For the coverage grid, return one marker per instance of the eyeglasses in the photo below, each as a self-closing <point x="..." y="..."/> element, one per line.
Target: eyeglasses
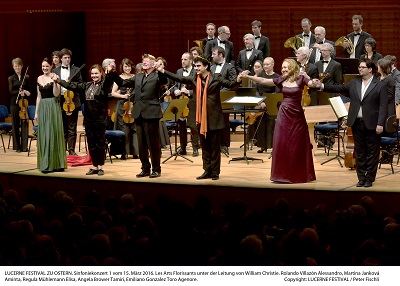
<point x="361" y="67"/>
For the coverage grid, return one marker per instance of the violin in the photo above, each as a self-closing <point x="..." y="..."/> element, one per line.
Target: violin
<point x="23" y="103"/>
<point x="68" y="104"/>
<point x="251" y="117"/>
<point x="349" y="155"/>
<point x="305" y="97"/>
<point x="128" y="106"/>
<point x="23" y="112"/>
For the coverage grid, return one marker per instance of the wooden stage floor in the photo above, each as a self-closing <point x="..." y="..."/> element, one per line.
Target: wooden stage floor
<point x="334" y="187"/>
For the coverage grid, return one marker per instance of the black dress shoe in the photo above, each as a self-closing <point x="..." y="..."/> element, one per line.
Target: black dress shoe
<point x="367" y="184"/>
<point x="182" y="152"/>
<point x="92" y="172"/>
<point x="360" y="183"/>
<point x="205" y="175"/>
<point x="155" y="174"/>
<point x="214" y="177"/>
<point x="195" y="152"/>
<point x="72" y="152"/>
<point x="100" y="172"/>
<point x="261" y="150"/>
<point x="143" y="174"/>
<point x="18" y="150"/>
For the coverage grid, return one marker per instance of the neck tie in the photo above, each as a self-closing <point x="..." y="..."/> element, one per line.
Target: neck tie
<point x="222" y="42"/>
<point x="219" y="64"/>
<point x="64" y="67"/>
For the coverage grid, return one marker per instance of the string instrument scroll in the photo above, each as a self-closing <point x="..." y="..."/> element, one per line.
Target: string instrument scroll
<point x="69" y="105"/>
<point x="23" y="103"/>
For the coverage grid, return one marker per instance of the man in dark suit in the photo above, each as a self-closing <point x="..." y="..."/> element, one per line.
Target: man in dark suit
<point x="209" y="117"/>
<point x="331" y="69"/>
<point x="320" y="34"/>
<point x="307" y="36"/>
<point x="147" y="114"/>
<point x="181" y="91"/>
<point x="222" y="41"/>
<point x="261" y="42"/>
<point x="228" y="72"/>
<point x="70" y="119"/>
<point x="248" y="56"/>
<point x="311" y="70"/>
<point x="367" y="116"/>
<point x="357" y="37"/>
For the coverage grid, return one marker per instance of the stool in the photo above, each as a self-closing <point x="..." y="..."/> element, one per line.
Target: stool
<point x="114" y="136"/>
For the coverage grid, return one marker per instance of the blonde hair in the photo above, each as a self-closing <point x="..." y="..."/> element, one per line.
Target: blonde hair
<point x="294" y="69"/>
<point x="17" y="61"/>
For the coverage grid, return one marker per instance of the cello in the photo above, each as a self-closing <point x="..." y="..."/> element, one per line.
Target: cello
<point x="349" y="155"/>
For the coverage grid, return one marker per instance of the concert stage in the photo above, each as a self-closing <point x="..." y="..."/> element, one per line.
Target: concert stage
<point x="334" y="187"/>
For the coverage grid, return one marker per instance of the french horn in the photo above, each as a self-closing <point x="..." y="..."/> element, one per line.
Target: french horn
<point x="340" y="42"/>
<point x="294" y="43"/>
<point x="200" y="43"/>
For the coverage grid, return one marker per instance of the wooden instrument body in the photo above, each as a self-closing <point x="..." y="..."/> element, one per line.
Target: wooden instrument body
<point x="128" y="106"/>
<point x="23" y="112"/>
<point x="349" y="155"/>
<point x="68" y="105"/>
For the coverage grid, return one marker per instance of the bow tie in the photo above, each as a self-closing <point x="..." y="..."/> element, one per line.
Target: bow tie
<point x="249" y="50"/>
<point x="218" y="64"/>
<point x="221" y="42"/>
<point x="64" y="67"/>
<point x="185" y="70"/>
<point x="257" y="37"/>
<point x="357" y="34"/>
<point x="325" y="62"/>
<point x="306" y="35"/>
<point x="320" y="43"/>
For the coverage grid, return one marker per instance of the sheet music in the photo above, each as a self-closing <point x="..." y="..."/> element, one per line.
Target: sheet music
<point x="338" y="106"/>
<point x="245" y="100"/>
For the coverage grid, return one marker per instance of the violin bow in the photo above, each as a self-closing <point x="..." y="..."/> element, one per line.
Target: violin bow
<point x="21" y="88"/>
<point x="71" y="77"/>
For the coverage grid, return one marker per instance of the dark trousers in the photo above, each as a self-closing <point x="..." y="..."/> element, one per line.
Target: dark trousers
<point x="226" y="132"/>
<point x="96" y="139"/>
<point x="182" y="127"/>
<point x="149" y="142"/>
<point x="19" y="129"/>
<point x="70" y="123"/>
<point x="366" y="148"/>
<point x="211" y="153"/>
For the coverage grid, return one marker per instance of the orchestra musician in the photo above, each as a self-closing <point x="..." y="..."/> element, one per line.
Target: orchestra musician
<point x="357" y="37"/>
<point x="122" y="117"/>
<point x="70" y="119"/>
<point x="18" y="91"/>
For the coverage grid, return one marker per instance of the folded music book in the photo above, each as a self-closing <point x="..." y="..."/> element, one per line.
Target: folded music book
<point x="338" y="106"/>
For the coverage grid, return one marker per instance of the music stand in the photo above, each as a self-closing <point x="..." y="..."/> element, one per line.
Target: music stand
<point x="272" y="104"/>
<point x="244" y="101"/>
<point x="173" y="112"/>
<point x="340" y="111"/>
<point x="349" y="65"/>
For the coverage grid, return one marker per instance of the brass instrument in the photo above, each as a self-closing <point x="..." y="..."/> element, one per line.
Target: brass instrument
<point x="200" y="43"/>
<point x="294" y="43"/>
<point x="340" y="42"/>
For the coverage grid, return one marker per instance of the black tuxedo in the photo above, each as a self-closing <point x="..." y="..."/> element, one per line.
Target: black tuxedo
<point x="334" y="69"/>
<point x="312" y="39"/>
<point x="147" y="113"/>
<point x="229" y="54"/>
<point x="374" y="112"/>
<point x="211" y="142"/>
<point x="70" y="122"/>
<point x="243" y="63"/>
<point x="312" y="72"/>
<point x="314" y="51"/>
<point x="359" y="49"/>
<point x="191" y="118"/>
<point x="264" y="46"/>
<point x="227" y="72"/>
